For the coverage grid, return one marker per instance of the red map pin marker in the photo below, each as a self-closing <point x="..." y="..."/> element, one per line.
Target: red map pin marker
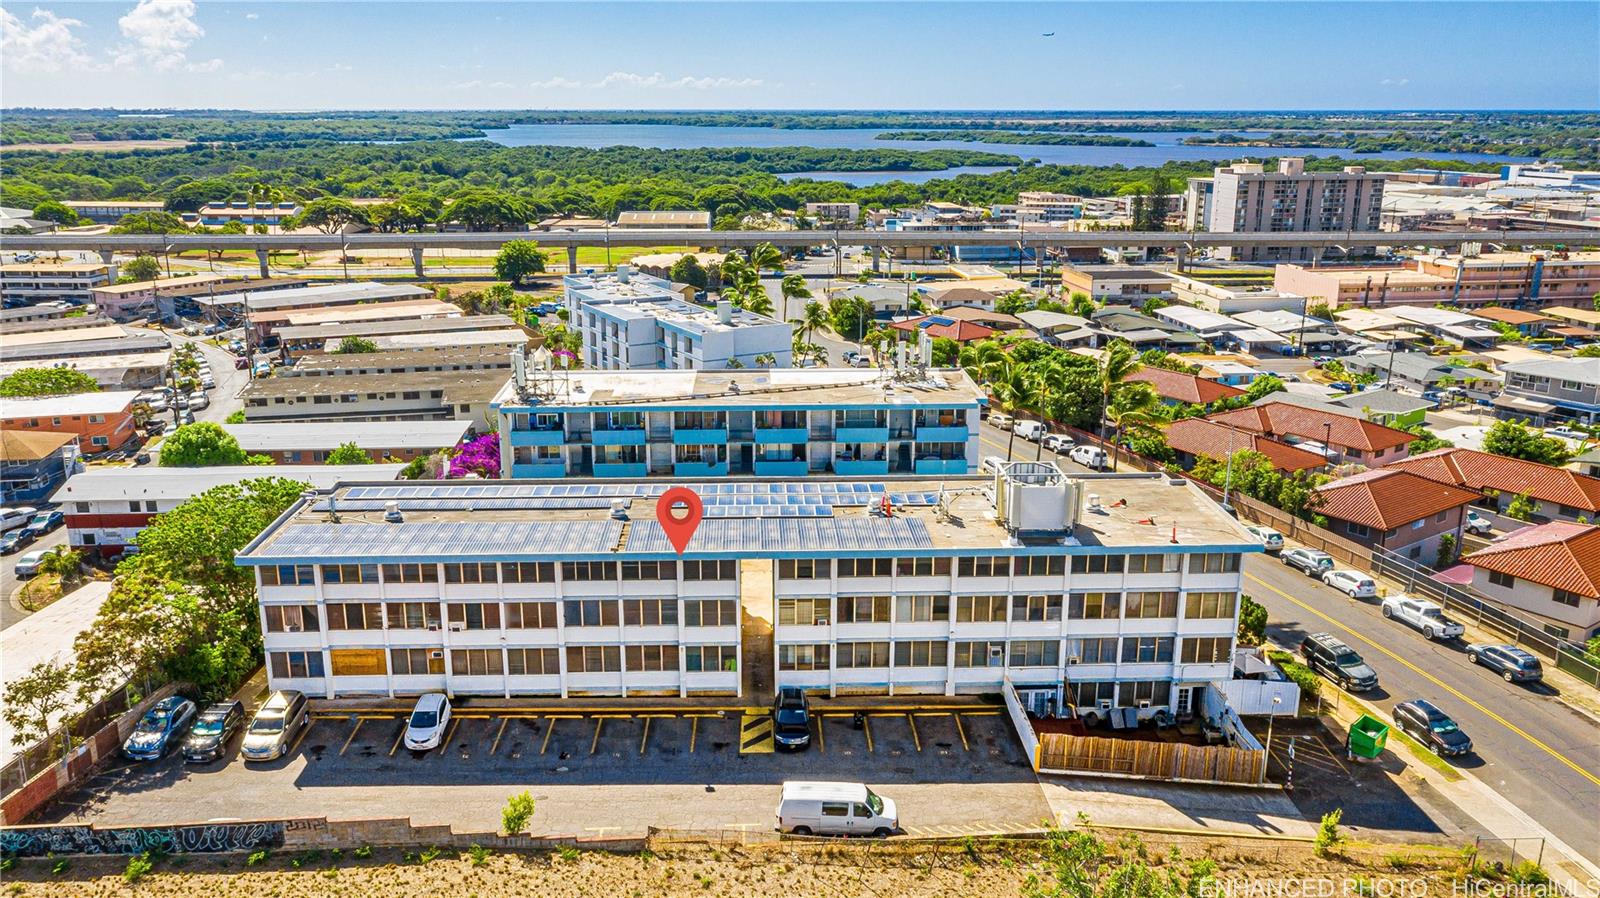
<point x="679" y="510"/>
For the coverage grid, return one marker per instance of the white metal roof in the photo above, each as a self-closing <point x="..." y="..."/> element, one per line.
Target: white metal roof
<point x="278" y="437"/>
<point x="182" y="483"/>
<point x="106" y="402"/>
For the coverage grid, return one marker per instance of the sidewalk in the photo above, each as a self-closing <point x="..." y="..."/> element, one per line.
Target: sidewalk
<point x="1142" y="804"/>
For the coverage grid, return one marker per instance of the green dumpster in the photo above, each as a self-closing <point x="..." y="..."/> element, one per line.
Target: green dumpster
<point x="1367" y="737"/>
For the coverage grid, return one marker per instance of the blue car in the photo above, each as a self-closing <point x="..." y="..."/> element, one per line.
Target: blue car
<point x="161" y="729"/>
<point x="43" y="523"/>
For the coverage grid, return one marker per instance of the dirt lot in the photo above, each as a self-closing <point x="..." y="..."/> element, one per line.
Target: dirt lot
<point x="99" y="146"/>
<point x="951" y="868"/>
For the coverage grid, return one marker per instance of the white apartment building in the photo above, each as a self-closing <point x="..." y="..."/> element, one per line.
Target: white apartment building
<point x="631" y="320"/>
<point x="834" y="213"/>
<point x="1244" y="198"/>
<point x="1043" y="206"/>
<point x="43" y="281"/>
<point x="893" y="586"/>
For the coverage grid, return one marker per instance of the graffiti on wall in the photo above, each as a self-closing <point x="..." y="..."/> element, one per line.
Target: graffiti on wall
<point x="38" y="841"/>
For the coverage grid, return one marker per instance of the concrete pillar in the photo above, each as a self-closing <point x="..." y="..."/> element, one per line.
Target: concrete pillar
<point x="110" y="259"/>
<point x="1182" y="257"/>
<point x="877" y="260"/>
<point x="416" y="260"/>
<point x="263" y="258"/>
<point x="572" y="259"/>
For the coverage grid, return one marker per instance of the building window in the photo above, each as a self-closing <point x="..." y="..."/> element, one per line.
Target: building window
<point x="295" y="664"/>
<point x="1092" y="650"/>
<point x="866" y="567"/>
<point x="291" y="618"/>
<point x="1035" y="608"/>
<point x="474" y="616"/>
<point x="1098" y="564"/>
<point x="710" y="613"/>
<point x="589" y="570"/>
<point x="980" y="609"/>
<point x="921" y="653"/>
<point x="708" y="658"/>
<point x="528" y="572"/>
<point x="1358" y="530"/>
<point x="1150" y="604"/>
<point x="355" y="616"/>
<point x="288" y="575"/>
<point x="411" y="573"/>
<point x="1209" y="605"/>
<point x="710" y="570"/>
<point x="594" y="658"/>
<point x="530" y="615"/>
<point x="1152" y="692"/>
<point x="803" y="612"/>
<point x="1095" y="605"/>
<point x="981" y="654"/>
<point x="1214" y="563"/>
<point x="471" y="572"/>
<point x="654" y="658"/>
<point x="923" y="567"/>
<point x="863" y="609"/>
<point x="349" y="573"/>
<point x="412" y="615"/>
<point x="591" y="612"/>
<point x="1146" y="649"/>
<point x="1558" y="632"/>
<point x="649" y="570"/>
<point x="415" y="662"/>
<point x="1040" y="566"/>
<point x="1035" y="653"/>
<point x="650" y="612"/>
<point x="1207" y="649"/>
<point x="984" y="566"/>
<point x="861" y="654"/>
<point x="1090" y="694"/>
<point x="533" y="662"/>
<point x="921" y="609"/>
<point x="1563" y="597"/>
<point x="476" y="663"/>
<point x="804" y="569"/>
<point x="803" y="657"/>
<point x="1153" y="564"/>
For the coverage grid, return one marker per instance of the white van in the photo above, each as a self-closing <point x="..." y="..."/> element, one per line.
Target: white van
<point x="1031" y="431"/>
<point x="1092" y="457"/>
<point x="836" y="809"/>
<point x="992" y="464"/>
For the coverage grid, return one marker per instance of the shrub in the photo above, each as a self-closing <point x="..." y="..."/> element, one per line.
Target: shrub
<point x="138" y="866"/>
<point x="363" y="852"/>
<point x="1329" y="839"/>
<point x="257" y="858"/>
<point x="1252" y="621"/>
<point x="517" y="812"/>
<point x="568" y="853"/>
<point x="429" y="855"/>
<point x="1527" y="873"/>
<point x="479" y="854"/>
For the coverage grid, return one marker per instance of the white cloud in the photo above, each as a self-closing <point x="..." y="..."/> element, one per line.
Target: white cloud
<point x="1395" y="82"/>
<point x="45" y="43"/>
<point x="557" y="82"/>
<point x="252" y="16"/>
<point x="159" y="33"/>
<point x="659" y="81"/>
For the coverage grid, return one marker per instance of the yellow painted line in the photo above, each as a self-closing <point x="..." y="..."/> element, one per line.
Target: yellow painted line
<point x="304" y="731"/>
<point x="981" y="713"/>
<point x="352" y="737"/>
<point x="1591" y="777"/>
<point x="549" y="728"/>
<point x="502" y="731"/>
<point x="445" y="742"/>
<point x="755" y="734"/>
<point x="397" y="737"/>
<point x="595" y="742"/>
<point x="963" y="732"/>
<point x="915" y="738"/>
<point x="376" y="716"/>
<point x="866" y="725"/>
<point x="645" y="736"/>
<point x="694" y="732"/>
<point x="822" y="743"/>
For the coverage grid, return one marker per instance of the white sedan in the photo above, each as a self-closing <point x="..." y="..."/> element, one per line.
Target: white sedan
<point x="1354" y="584"/>
<point x="425" y="728"/>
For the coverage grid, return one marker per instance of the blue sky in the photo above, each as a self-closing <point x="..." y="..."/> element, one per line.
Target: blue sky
<point x="768" y="55"/>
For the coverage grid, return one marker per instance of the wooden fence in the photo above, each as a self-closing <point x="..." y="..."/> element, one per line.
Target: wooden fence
<point x="1062" y="753"/>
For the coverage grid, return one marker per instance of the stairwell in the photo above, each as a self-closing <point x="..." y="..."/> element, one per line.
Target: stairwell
<point x="756" y="613"/>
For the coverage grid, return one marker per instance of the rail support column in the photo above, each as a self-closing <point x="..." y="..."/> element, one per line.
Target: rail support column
<point x="263" y="258"/>
<point x="110" y="259"/>
<point x="416" y="260"/>
<point x="572" y="259"/>
<point x="1182" y="257"/>
<point x="877" y="260"/>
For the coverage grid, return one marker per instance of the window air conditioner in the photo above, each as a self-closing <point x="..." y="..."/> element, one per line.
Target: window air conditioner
<point x="433" y="626"/>
<point x="457" y="625"/>
<point x="1073" y="659"/>
<point x="291" y="628"/>
<point x="436" y="654"/>
<point x="1144" y="704"/>
<point x="1104" y="704"/>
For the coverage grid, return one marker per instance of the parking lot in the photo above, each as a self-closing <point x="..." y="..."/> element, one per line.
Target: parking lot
<point x="597" y="773"/>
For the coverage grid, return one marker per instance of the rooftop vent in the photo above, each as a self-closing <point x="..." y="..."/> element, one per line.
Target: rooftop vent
<point x="391" y="512"/>
<point x="619" y="509"/>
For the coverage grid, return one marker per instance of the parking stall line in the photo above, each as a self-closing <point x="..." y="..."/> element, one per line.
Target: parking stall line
<point x="448" y="735"/>
<point x="822" y="742"/>
<point x="397" y="737"/>
<point x="595" y="743"/>
<point x="866" y="726"/>
<point x="916" y="738"/>
<point x="304" y="732"/>
<point x="352" y="738"/>
<point x="962" y="732"/>
<point x="495" y="746"/>
<point x="549" y="728"/>
<point x="694" y="732"/>
<point x="644" y="738"/>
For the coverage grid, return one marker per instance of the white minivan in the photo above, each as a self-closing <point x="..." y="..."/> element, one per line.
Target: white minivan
<point x="1031" y="431"/>
<point x="836" y="809"/>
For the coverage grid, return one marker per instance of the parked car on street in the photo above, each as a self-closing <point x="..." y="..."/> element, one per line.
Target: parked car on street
<point x="1271" y="539"/>
<point x="1002" y="420"/>
<point x="1513" y="664"/>
<point x="1423" y="721"/>
<point x="277" y="724"/>
<point x="1031" y="431"/>
<point x="1058" y="442"/>
<point x="198" y="400"/>
<point x="430" y="716"/>
<point x="11" y="518"/>
<point x="1092" y="457"/>
<point x="836" y="809"/>
<point x="212" y="731"/>
<point x="28" y="565"/>
<point x="44" y="522"/>
<point x="1478" y="525"/>
<point x="1424" y="615"/>
<point x="1327" y="655"/>
<point x="1310" y="562"/>
<point x="161" y="728"/>
<point x="15" y="541"/>
<point x="1354" y="584"/>
<point x="791" y="718"/>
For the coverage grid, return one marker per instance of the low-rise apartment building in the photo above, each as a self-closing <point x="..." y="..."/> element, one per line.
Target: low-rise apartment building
<point x="33" y="464"/>
<point x="112" y="211"/>
<point x="406" y="361"/>
<point x="666" y="220"/>
<point x="901" y="586"/>
<point x="1120" y="282"/>
<point x="1554" y="388"/>
<point x="143" y="299"/>
<point x="265" y="324"/>
<point x="422" y="396"/>
<point x="100" y="421"/>
<point x="1394" y="510"/>
<point x="218" y="213"/>
<point x="1551" y="572"/>
<point x="834" y="213"/>
<point x="310" y="443"/>
<point x="629" y="320"/>
<point x="105" y="508"/>
<point x="458" y="331"/>
<point x="781" y="423"/>
<point x="230" y="307"/>
<point x="34" y="282"/>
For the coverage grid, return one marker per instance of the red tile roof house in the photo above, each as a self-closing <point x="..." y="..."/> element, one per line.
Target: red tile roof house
<point x="1394" y="510"/>
<point x="1558" y="494"/>
<point x="1551" y="573"/>
<point x="1194" y="437"/>
<point x="1175" y="387"/>
<point x="939" y="326"/>
<point x="1352" y="439"/>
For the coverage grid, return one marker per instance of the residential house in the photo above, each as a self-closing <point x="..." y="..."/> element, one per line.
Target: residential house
<point x="33" y="464"/>
<point x="1413" y="370"/>
<point x="1394" y="510"/>
<point x="1528" y="324"/>
<point x="1348" y="438"/>
<point x="1386" y="407"/>
<point x="1556" y="389"/>
<point x="1550" y="572"/>
<point x="1557" y="493"/>
<point x="1178" y="388"/>
<point x="1228" y="371"/>
<point x="1117" y="283"/>
<point x="1191" y="438"/>
<point x="937" y="326"/>
<point x="1455" y="328"/>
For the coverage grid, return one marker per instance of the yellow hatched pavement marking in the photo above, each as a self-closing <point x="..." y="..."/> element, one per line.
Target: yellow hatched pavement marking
<point x="755" y="734"/>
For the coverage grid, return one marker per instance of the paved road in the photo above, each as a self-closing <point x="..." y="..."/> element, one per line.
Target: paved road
<point x="9" y="613"/>
<point x="1536" y="751"/>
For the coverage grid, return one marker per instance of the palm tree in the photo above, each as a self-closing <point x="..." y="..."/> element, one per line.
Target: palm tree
<point x="1135" y="407"/>
<point x="1042" y="375"/>
<point x="766" y="360"/>
<point x="978" y="359"/>
<point x="1116" y="363"/>
<point x="765" y="256"/>
<point x="812" y="318"/>
<point x="793" y="286"/>
<point x="757" y="302"/>
<point x="1012" y="385"/>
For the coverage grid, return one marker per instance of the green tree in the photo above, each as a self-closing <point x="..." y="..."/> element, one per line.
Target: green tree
<point x="1514" y="439"/>
<point x="850" y="316"/>
<point x="150" y="223"/>
<point x="688" y="270"/>
<point x="65" y="562"/>
<point x="1262" y="387"/>
<point x="766" y="360"/>
<point x="1116" y="363"/>
<point x="518" y="260"/>
<point x="330" y="215"/>
<point x="1425" y="440"/>
<point x="352" y="345"/>
<point x="29" y="382"/>
<point x="813" y="318"/>
<point x="1134" y="406"/>
<point x="349" y="454"/>
<point x="945" y="352"/>
<point x="793" y="286"/>
<point x="1521" y="507"/>
<point x="236" y="417"/>
<point x="1252" y="621"/>
<point x="486" y="210"/>
<point x="1447" y="551"/>
<point x="142" y="267"/>
<point x="1082" y="305"/>
<point x="33" y="700"/>
<point x="1015" y="302"/>
<point x="1590" y="351"/>
<point x="58" y="212"/>
<point x="517" y="812"/>
<point x="200" y="445"/>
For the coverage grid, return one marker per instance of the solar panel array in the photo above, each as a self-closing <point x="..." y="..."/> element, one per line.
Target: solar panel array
<point x="816" y="499"/>
<point x="787" y="535"/>
<point x="466" y="540"/>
